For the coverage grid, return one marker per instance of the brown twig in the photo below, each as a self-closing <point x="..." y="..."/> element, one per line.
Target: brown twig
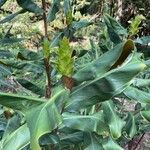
<point x="48" y="86"/>
<point x="44" y="17"/>
<point x="46" y="60"/>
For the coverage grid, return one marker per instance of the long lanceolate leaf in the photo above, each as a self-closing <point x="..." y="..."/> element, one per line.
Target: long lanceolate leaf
<point x="92" y="142"/>
<point x="141" y="82"/>
<point x="32" y="86"/>
<point x="142" y="45"/>
<point x="17" y="139"/>
<point x="141" y="97"/>
<point x="116" y="25"/>
<point x="104" y="87"/>
<point x="115" y="30"/>
<point x="12" y="16"/>
<point x="18" y="102"/>
<point x="29" y="6"/>
<point x="53" y="10"/>
<point x="87" y="123"/>
<point x="26" y="66"/>
<point x="76" y="25"/>
<point x="4" y="71"/>
<point x="6" y="41"/>
<point x="130" y="126"/>
<point x="104" y="63"/>
<point x="112" y="119"/>
<point x="5" y="54"/>
<point x="44" y="118"/>
<point x="146" y="114"/>
<point x="137" y="95"/>
<point x="109" y="144"/>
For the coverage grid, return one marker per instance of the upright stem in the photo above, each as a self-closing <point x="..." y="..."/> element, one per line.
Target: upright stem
<point x="48" y="86"/>
<point x="44" y="17"/>
<point x="46" y="60"/>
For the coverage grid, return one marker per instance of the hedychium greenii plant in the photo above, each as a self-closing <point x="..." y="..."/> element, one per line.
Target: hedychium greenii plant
<point x="97" y="128"/>
<point x="84" y="114"/>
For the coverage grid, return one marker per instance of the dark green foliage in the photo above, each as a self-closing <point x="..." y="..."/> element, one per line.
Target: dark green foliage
<point x="2" y="2"/>
<point x="90" y="115"/>
<point x="29" y="6"/>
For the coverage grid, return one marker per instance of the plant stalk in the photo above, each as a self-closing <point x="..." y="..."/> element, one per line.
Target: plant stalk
<point x="44" y="18"/>
<point x="46" y="60"/>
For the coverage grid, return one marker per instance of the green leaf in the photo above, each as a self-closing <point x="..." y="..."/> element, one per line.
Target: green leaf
<point x="114" y="37"/>
<point x="12" y="16"/>
<point x="25" y="65"/>
<point x="104" y="63"/>
<point x="130" y="126"/>
<point x="87" y="123"/>
<point x="17" y="139"/>
<point x="72" y="138"/>
<point x="43" y="119"/>
<point x="5" y="54"/>
<point x="114" y="122"/>
<point x="137" y="95"/>
<point x="92" y="141"/>
<point x="76" y="25"/>
<point x="147" y="62"/>
<point x="4" y="71"/>
<point x="24" y="54"/>
<point x="146" y="115"/>
<point x="7" y="41"/>
<point x="141" y="82"/>
<point x="56" y="39"/>
<point x="12" y="124"/>
<point x="31" y="85"/>
<point x="67" y="6"/>
<point x="143" y="40"/>
<point x="53" y="10"/>
<point x="115" y="25"/>
<point x="18" y="102"/>
<point x="115" y="30"/>
<point x="109" y="144"/>
<point x="134" y="26"/>
<point x="68" y="12"/>
<point x="128" y="48"/>
<point x="3" y="122"/>
<point x="2" y="2"/>
<point x="29" y="6"/>
<point x="142" y="45"/>
<point x="50" y="138"/>
<point x="104" y="87"/>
